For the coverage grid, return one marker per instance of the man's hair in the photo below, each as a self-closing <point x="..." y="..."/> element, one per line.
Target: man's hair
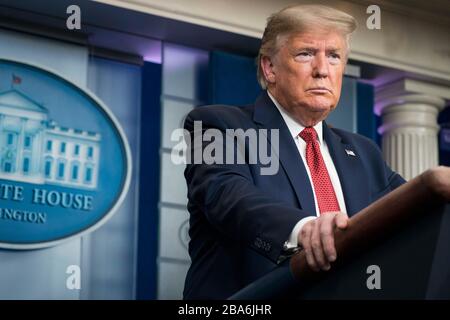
<point x="299" y="19"/>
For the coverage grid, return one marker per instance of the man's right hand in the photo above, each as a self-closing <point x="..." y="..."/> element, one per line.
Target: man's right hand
<point x="317" y="239"/>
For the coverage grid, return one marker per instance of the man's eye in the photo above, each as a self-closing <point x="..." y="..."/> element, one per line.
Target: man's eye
<point x="304" y="56"/>
<point x="335" y="56"/>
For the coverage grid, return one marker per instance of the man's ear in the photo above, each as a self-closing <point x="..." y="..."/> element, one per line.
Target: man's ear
<point x="268" y="69"/>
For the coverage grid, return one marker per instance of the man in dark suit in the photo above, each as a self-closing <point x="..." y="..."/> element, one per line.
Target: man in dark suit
<point x="244" y="223"/>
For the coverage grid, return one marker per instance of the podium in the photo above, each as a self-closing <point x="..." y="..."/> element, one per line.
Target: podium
<point x="402" y="239"/>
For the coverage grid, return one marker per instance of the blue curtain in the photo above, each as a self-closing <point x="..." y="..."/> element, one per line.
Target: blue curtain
<point x="111" y="256"/>
<point x="232" y="79"/>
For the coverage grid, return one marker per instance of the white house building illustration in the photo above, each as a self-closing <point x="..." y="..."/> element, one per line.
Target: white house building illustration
<point x="34" y="149"/>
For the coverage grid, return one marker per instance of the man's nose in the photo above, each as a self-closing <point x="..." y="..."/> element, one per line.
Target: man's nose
<point x="320" y="66"/>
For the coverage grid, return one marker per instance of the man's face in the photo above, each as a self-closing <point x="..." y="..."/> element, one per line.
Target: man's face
<point x="305" y="76"/>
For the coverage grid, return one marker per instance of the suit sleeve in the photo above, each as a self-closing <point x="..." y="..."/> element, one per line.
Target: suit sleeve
<point x="230" y="200"/>
<point x="394" y="179"/>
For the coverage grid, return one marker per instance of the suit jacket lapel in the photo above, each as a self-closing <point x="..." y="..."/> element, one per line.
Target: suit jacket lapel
<point x="266" y="113"/>
<point x="350" y="170"/>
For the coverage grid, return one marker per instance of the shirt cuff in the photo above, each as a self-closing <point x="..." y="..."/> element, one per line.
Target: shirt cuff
<point x="293" y="238"/>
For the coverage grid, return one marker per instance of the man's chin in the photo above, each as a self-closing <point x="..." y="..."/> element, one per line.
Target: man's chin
<point x="320" y="108"/>
<point x="314" y="116"/>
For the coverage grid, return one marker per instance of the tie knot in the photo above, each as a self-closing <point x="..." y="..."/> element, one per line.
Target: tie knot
<point x="308" y="134"/>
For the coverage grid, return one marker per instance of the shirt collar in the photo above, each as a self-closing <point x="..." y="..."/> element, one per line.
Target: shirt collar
<point x="294" y="127"/>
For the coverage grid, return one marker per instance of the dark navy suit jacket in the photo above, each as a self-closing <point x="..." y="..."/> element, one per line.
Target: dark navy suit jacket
<point x="240" y="219"/>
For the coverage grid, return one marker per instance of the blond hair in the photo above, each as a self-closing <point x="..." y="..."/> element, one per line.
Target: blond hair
<point x="299" y="19"/>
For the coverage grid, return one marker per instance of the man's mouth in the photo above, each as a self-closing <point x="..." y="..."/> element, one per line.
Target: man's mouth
<point x="319" y="90"/>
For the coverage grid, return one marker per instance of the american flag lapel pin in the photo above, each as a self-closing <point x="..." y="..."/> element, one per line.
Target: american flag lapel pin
<point x="350" y="153"/>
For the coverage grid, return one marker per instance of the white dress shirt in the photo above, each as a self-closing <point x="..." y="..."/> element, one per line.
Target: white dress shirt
<point x="295" y="128"/>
